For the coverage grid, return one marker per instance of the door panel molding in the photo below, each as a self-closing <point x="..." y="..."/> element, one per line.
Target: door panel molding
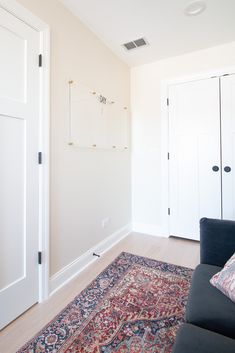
<point x="228" y="145"/>
<point x="14" y="8"/>
<point x="194" y="146"/>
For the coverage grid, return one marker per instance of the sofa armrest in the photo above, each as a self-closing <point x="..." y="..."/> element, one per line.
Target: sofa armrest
<point x="217" y="241"/>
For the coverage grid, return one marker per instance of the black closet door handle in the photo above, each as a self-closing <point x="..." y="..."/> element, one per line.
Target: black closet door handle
<point x="227" y="169"/>
<point x="215" y="168"/>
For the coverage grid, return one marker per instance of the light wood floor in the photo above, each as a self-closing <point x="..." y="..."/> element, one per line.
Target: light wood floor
<point x="172" y="250"/>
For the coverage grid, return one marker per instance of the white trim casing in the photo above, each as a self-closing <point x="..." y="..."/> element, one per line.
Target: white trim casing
<point x="73" y="269"/>
<point x="165" y="132"/>
<point x="164" y="160"/>
<point x="45" y="167"/>
<point x="34" y="22"/>
<point x="24" y="15"/>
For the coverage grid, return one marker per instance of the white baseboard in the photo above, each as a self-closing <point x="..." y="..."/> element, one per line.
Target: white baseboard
<point x="149" y="229"/>
<point x="70" y="271"/>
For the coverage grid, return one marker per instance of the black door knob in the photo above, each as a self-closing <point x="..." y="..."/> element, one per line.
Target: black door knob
<point x="215" y="168"/>
<point x="227" y="169"/>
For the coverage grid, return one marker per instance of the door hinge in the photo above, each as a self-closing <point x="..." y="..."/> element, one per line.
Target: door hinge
<point x="39" y="157"/>
<point x="39" y="257"/>
<point x="168" y="155"/>
<point x="40" y="60"/>
<point x="169" y="211"/>
<point x="168" y="102"/>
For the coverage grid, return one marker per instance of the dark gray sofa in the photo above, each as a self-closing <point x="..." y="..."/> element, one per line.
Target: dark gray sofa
<point x="210" y="315"/>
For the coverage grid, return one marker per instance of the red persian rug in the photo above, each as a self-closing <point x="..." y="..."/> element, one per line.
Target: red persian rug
<point x="134" y="306"/>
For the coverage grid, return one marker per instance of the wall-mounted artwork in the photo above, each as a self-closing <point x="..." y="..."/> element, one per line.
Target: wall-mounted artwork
<point x="96" y="121"/>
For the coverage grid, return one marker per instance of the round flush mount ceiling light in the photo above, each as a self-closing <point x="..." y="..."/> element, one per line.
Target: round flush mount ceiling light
<point x="195" y="8"/>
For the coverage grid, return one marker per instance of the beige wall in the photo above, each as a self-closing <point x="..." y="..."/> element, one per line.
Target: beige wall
<point x="86" y="186"/>
<point x="146" y="126"/>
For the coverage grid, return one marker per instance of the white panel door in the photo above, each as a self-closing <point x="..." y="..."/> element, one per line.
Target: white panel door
<point x="194" y="144"/>
<point x="228" y="145"/>
<point x="19" y="178"/>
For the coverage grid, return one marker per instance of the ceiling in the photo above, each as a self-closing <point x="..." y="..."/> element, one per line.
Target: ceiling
<point x="163" y="23"/>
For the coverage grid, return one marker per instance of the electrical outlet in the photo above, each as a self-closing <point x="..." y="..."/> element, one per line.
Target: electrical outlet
<point x="105" y="222"/>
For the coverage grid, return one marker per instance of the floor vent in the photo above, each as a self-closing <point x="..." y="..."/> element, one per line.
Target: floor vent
<point x="135" y="44"/>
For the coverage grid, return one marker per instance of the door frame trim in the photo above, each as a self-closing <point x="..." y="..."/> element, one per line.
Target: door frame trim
<point x="165" y="84"/>
<point x="37" y="24"/>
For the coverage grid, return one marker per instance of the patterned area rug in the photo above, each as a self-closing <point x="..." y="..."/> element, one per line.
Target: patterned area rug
<point x="134" y="306"/>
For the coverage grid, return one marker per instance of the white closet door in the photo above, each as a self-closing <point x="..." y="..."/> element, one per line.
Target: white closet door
<point x="194" y="144"/>
<point x="228" y="145"/>
<point x="19" y="176"/>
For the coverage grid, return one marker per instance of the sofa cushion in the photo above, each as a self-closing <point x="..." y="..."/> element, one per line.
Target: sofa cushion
<point x="207" y="306"/>
<point x="193" y="339"/>
<point x="217" y="241"/>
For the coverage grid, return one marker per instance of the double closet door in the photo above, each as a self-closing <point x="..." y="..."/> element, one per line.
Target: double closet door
<point x="202" y="153"/>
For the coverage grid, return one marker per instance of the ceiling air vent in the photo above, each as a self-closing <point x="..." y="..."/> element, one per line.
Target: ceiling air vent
<point x="135" y="44"/>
